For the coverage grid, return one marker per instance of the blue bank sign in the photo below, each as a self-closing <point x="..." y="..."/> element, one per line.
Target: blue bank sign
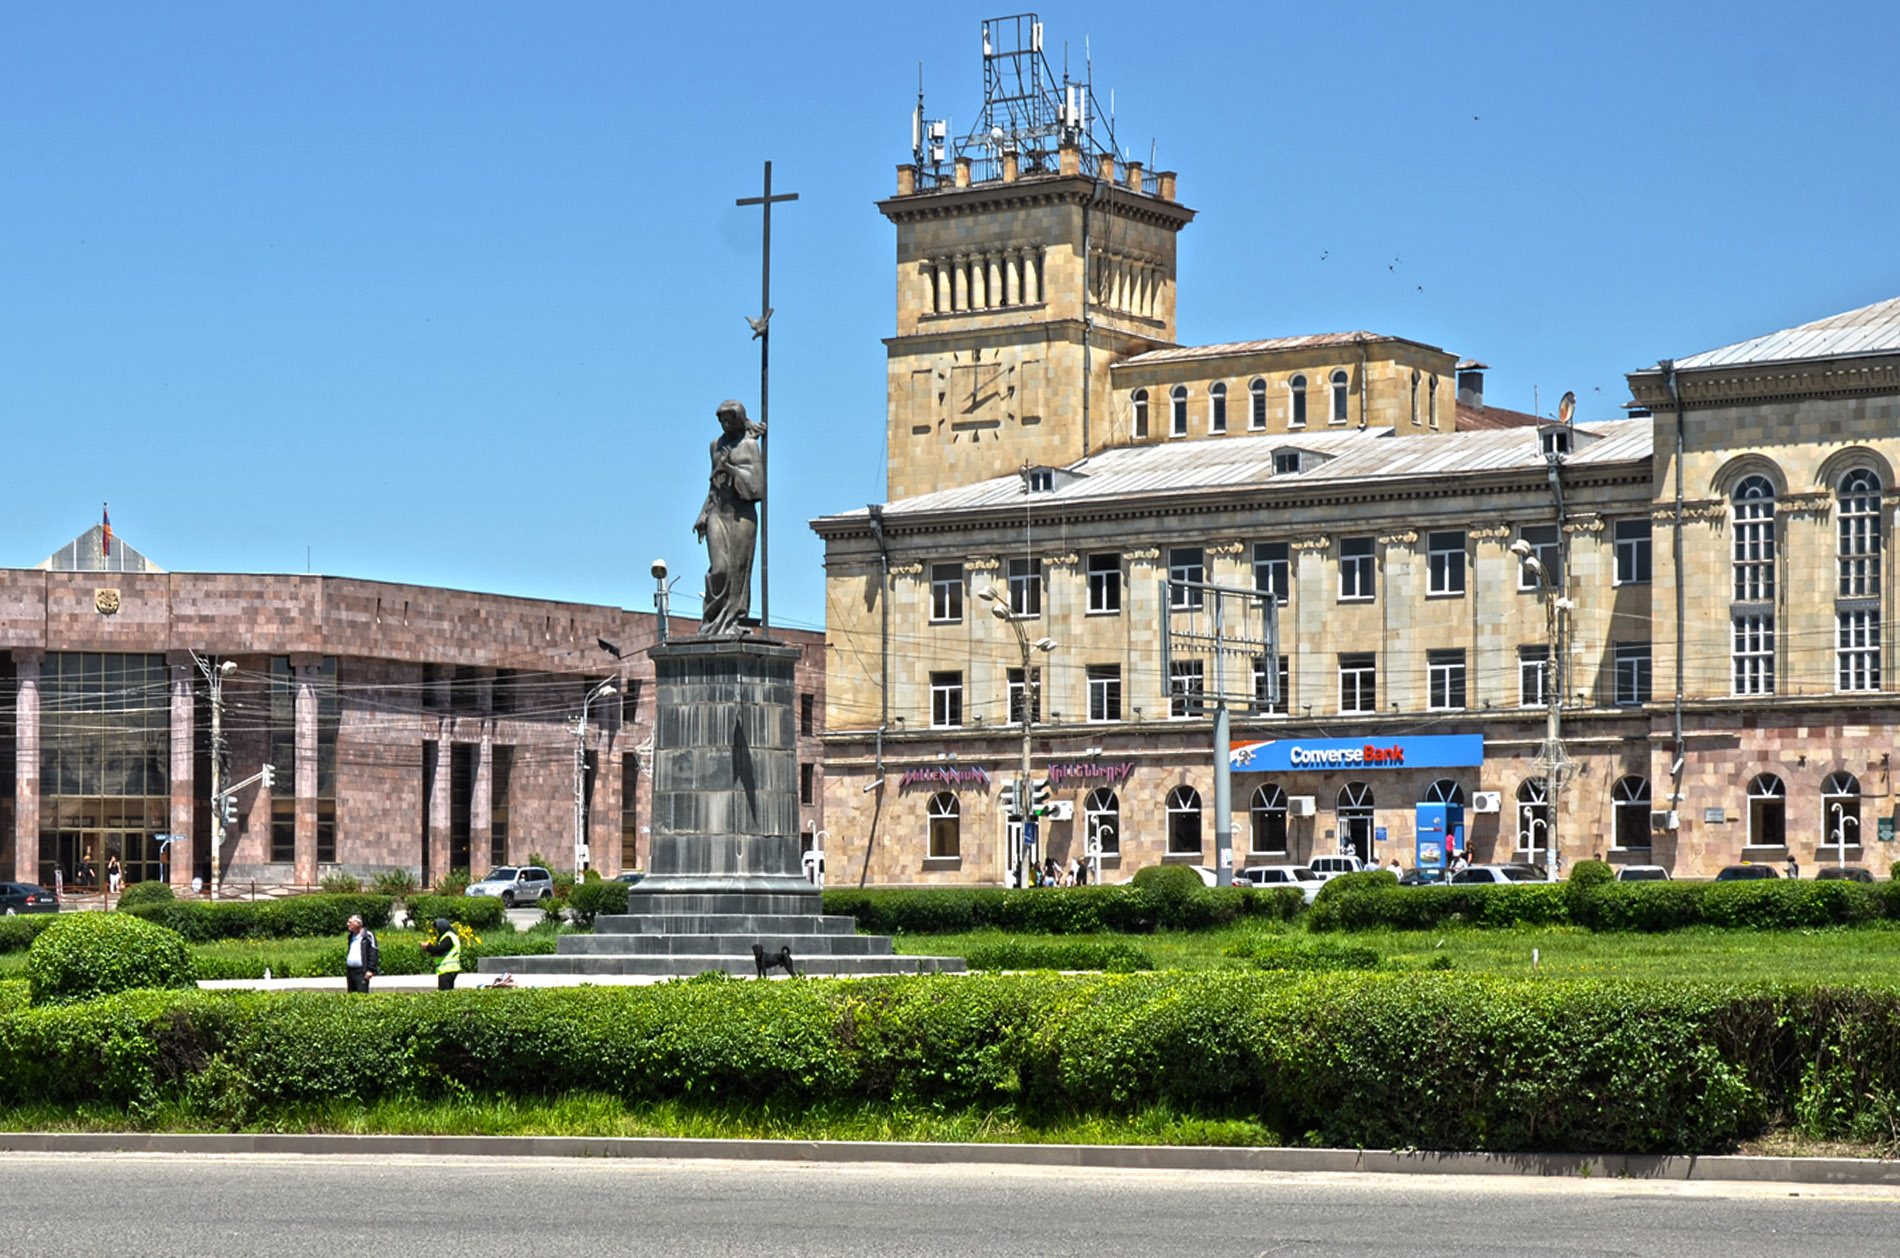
<point x="1423" y="751"/>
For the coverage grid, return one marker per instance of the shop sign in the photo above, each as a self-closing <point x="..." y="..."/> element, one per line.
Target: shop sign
<point x="1089" y="771"/>
<point x="1423" y="751"/>
<point x="1883" y="832"/>
<point x="946" y="775"/>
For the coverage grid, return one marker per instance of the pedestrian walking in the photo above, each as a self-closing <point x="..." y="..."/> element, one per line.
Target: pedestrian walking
<point x="114" y="875"/>
<point x="361" y="957"/>
<point x="448" y="948"/>
<point x="1794" y="869"/>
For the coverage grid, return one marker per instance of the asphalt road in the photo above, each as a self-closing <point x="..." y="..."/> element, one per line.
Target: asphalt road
<point x="134" y="1206"/>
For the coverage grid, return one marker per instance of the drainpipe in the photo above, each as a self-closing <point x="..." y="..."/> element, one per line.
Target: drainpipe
<point x="1668" y="366"/>
<point x="1088" y="312"/>
<point x="883" y="632"/>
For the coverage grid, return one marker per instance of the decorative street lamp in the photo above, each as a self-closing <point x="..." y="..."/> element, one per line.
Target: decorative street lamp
<point x="999" y="608"/>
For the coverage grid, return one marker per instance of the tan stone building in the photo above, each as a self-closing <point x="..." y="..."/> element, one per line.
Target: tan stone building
<point x="1052" y="449"/>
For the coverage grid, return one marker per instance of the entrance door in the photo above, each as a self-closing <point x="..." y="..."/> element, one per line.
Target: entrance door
<point x="1354" y="810"/>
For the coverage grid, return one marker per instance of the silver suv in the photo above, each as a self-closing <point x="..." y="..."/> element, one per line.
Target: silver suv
<point x="515" y="884"/>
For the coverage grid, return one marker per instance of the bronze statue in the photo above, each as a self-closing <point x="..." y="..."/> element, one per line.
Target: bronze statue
<point x="729" y="522"/>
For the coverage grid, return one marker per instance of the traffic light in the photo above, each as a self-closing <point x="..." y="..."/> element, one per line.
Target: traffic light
<point x="1039" y="804"/>
<point x="1010" y="798"/>
<point x="270" y="775"/>
<point x="227" y="809"/>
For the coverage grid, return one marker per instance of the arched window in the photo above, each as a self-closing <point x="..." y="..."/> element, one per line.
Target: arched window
<point x="1431" y="401"/>
<point x="1629" y="803"/>
<point x="1840" y="810"/>
<point x="1414" y="397"/>
<point x="1140" y="400"/>
<point x="1339" y="397"/>
<point x="1268" y="815"/>
<point x="1102" y="820"/>
<point x="1184" y="820"/>
<point x="946" y="832"/>
<point x="1752" y="651"/>
<point x="1257" y="417"/>
<point x="1296" y="402"/>
<point x="1177" y="400"/>
<point x="1217" y="407"/>
<point x="1533" y="816"/>
<point x="1445" y="791"/>
<point x="1860" y="534"/>
<point x="1767" y="812"/>
<point x="1352" y="807"/>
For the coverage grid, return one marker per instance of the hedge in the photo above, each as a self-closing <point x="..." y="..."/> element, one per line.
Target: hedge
<point x="596" y="896"/>
<point x="20" y="931"/>
<point x="86" y="955"/>
<point x="1116" y="956"/>
<point x="204" y="921"/>
<point x="1121" y="909"/>
<point x="1768" y="904"/>
<point x="401" y="954"/>
<point x="478" y="912"/>
<point x="1352" y="1060"/>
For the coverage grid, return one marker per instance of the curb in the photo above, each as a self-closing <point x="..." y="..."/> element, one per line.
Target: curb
<point x="1082" y="1156"/>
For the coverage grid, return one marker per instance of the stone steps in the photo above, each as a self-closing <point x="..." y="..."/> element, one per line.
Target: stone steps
<point x="725" y="924"/>
<point x="685" y="965"/>
<point x="802" y="945"/>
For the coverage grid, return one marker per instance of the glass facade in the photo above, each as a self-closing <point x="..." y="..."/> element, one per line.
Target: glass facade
<point x="105" y="756"/>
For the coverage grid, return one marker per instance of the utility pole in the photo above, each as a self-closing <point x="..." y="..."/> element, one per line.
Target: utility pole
<point x="762" y="333"/>
<point x="999" y="608"/>
<point x="214" y="679"/>
<point x="601" y="691"/>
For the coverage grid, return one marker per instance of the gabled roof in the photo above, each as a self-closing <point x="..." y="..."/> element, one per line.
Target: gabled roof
<point x="86" y="553"/>
<point x="1872" y="329"/>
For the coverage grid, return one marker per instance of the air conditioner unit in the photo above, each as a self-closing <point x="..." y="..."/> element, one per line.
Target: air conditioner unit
<point x="1302" y="805"/>
<point x="1663" y="820"/>
<point x="1486" y="801"/>
<point x="1061" y="810"/>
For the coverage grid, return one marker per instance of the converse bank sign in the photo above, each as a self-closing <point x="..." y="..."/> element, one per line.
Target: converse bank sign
<point x="1425" y="751"/>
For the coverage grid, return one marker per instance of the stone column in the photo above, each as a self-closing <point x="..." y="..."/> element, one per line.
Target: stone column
<point x="304" y="869"/>
<point x="995" y="280"/>
<point x="1013" y="278"/>
<point x="1032" y="277"/>
<point x="438" y="802"/>
<point x="184" y="811"/>
<point x="960" y="274"/>
<point x="26" y="766"/>
<point x="481" y="809"/>
<point x="941" y="285"/>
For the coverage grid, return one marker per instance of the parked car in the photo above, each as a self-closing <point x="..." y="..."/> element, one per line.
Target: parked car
<point x="26" y="897"/>
<point x="1745" y="873"/>
<point x="1416" y="877"/>
<point x="630" y="877"/>
<point x="515" y="884"/>
<point x="1848" y="873"/>
<point x="1269" y="876"/>
<point x="1642" y="873"/>
<point x="1328" y="867"/>
<point x="1497" y="874"/>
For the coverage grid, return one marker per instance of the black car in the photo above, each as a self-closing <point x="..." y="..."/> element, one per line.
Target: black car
<point x="1849" y="873"/>
<point x="26" y="897"/>
<point x="1745" y="873"/>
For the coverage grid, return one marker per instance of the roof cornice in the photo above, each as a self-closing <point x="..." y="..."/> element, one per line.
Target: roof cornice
<point x="1857" y="375"/>
<point x="1033" y="191"/>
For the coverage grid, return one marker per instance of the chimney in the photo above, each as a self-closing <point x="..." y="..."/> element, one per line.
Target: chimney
<point x="1105" y="170"/>
<point x="1069" y="160"/>
<point x="906" y="180"/>
<point x="963" y="172"/>
<point x="1134" y="176"/>
<point x="1166" y="179"/>
<point x="1471" y="382"/>
<point x="1011" y="166"/>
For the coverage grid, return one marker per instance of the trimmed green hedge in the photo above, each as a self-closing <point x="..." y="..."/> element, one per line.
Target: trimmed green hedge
<point x="85" y="955"/>
<point x="594" y="897"/>
<point x="1768" y="904"/>
<point x="1353" y="1060"/>
<point x="19" y="932"/>
<point x="478" y="912"/>
<point x="401" y="954"/>
<point x="1115" y="956"/>
<point x="204" y="921"/>
<point x="1121" y="909"/>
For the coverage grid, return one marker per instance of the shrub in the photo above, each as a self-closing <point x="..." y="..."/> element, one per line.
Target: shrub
<point x="1370" y="907"/>
<point x="18" y="933"/>
<point x="594" y="897"/>
<point x="1591" y="873"/>
<point x="85" y="955"/>
<point x="1283" y="952"/>
<point x="298" y="916"/>
<point x="453" y="883"/>
<point x="482" y="912"/>
<point x="1365" y="880"/>
<point x="1119" y="909"/>
<point x="339" y="883"/>
<point x="150" y="892"/>
<point x="1113" y="955"/>
<point x="553" y="909"/>
<point x="398" y="884"/>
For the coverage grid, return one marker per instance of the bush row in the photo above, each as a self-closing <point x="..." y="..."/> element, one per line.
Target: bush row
<point x="1355" y="1060"/>
<point x="400" y="954"/>
<point x="1115" y="956"/>
<point x="204" y="921"/>
<point x="18" y="933"/>
<point x="478" y="912"/>
<point x="1125" y="910"/>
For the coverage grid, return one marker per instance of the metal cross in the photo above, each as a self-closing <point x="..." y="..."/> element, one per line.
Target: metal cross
<point x="761" y="332"/>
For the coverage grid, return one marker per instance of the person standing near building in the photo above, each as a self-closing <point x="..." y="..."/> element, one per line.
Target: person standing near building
<point x="114" y="875"/>
<point x="361" y="957"/>
<point x="1794" y="868"/>
<point x="448" y="947"/>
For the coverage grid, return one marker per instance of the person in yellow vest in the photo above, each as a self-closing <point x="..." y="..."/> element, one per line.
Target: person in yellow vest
<point x="447" y="947"/>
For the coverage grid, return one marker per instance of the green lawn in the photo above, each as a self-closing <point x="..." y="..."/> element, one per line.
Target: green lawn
<point x="1842" y="954"/>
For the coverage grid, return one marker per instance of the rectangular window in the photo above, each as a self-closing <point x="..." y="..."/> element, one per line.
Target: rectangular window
<point x="1445" y="560"/>
<point x="1754" y="551"/>
<point x="629" y="816"/>
<point x="1857" y="515"/>
<point x="1445" y="680"/>
<point x="502" y="699"/>
<point x="431" y="685"/>
<point x="1542" y="539"/>
<point x="807" y="713"/>
<point x="1178" y="401"/>
<point x="807" y="784"/>
<point x="630" y="701"/>
<point x="1753" y="653"/>
<point x="1286" y="462"/>
<point x="1355" y="568"/>
<point x="1016" y="696"/>
<point x="946" y="700"/>
<point x="1217" y="409"/>
<point x="1257" y="421"/>
<point x="1532" y="664"/>
<point x="1857" y="648"/>
<point x="465" y="690"/>
<point x="1105" y="692"/>
<point x="1105" y="584"/>
<point x="1277" y="698"/>
<point x="1632" y="552"/>
<point x="501" y="767"/>
<point x="1025" y="587"/>
<point x="1187" y="688"/>
<point x="1140" y="402"/>
<point x="1632" y="673"/>
<point x="946" y="593"/>
<point x="1272" y="571"/>
<point x="1339" y="397"/>
<point x="1187" y="569"/>
<point x="1358" y="683"/>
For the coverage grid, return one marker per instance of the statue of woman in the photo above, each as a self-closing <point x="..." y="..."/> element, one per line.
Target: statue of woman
<point x="729" y="522"/>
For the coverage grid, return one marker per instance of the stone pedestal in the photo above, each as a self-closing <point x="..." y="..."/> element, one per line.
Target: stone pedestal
<point x="725" y="866"/>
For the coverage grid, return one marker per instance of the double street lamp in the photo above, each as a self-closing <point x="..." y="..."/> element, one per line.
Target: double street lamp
<point x="601" y="691"/>
<point x="999" y="608"/>
<point x="1556" y="630"/>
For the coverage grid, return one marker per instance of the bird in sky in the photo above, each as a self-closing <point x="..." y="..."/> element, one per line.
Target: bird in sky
<point x="758" y="325"/>
<point x="1323" y="254"/>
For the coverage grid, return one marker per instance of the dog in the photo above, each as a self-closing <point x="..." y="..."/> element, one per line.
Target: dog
<point x="782" y="959"/>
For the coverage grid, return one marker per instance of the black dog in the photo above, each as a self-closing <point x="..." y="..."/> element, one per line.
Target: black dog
<point x="782" y="959"/>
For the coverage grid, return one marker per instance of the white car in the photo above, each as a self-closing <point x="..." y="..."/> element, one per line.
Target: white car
<point x="1497" y="874"/>
<point x="515" y="884"/>
<point x="1642" y="873"/>
<point x="1329" y="867"/>
<point x="1270" y="876"/>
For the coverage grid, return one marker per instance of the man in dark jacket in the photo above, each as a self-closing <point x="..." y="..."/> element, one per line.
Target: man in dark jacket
<point x="361" y="958"/>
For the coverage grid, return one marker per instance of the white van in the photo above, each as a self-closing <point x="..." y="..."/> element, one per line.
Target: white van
<point x="1328" y="867"/>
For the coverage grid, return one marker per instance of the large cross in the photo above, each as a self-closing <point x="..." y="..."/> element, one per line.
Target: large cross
<point x="761" y="332"/>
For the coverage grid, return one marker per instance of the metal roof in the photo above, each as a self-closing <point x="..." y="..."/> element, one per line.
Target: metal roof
<point x="1321" y="340"/>
<point x="1224" y="464"/>
<point x="1872" y="329"/>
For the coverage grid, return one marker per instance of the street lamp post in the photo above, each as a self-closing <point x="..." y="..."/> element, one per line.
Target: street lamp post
<point x="999" y="608"/>
<point x="1556" y="625"/>
<point x="602" y="691"/>
<point x="214" y="680"/>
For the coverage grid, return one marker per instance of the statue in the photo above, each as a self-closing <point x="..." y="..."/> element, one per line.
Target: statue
<point x="729" y="522"/>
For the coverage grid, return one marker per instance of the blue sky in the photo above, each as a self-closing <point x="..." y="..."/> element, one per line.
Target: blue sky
<point x="448" y="292"/>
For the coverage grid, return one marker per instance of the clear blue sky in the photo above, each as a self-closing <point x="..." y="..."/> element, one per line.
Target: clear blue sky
<point x="447" y="292"/>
